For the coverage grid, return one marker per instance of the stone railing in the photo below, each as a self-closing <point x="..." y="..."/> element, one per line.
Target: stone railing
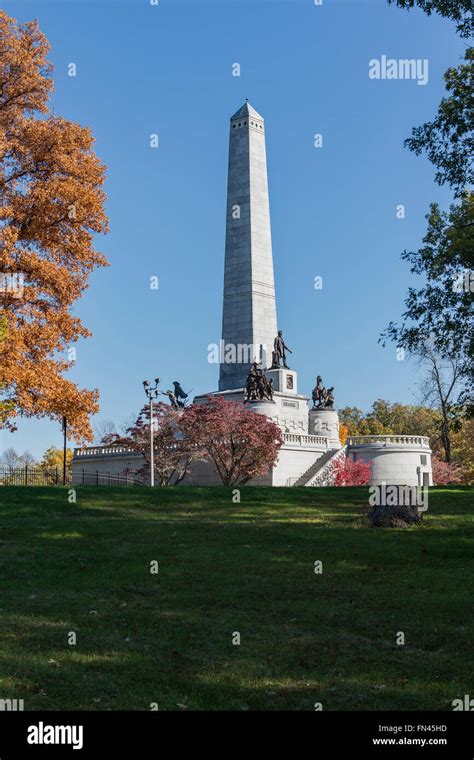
<point x="305" y="440"/>
<point x="324" y="476"/>
<point x="105" y="451"/>
<point x="388" y="440"/>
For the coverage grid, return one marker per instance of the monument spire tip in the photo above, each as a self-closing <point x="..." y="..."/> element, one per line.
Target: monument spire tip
<point x="246" y="110"/>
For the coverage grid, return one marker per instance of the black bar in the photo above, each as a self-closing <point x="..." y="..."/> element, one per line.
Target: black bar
<point x="272" y="734"/>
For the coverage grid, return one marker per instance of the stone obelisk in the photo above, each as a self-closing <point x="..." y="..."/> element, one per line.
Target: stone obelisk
<point x="249" y="319"/>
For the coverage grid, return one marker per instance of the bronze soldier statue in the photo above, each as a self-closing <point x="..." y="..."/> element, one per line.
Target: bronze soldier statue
<point x="318" y="393"/>
<point x="322" y="398"/>
<point x="329" y="399"/>
<point x="178" y="391"/>
<point x="269" y="389"/>
<point x="173" y="400"/>
<point x="251" y="385"/>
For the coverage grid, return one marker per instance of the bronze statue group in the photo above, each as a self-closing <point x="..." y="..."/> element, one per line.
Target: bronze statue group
<point x="323" y="398"/>
<point x="177" y="397"/>
<point x="258" y="387"/>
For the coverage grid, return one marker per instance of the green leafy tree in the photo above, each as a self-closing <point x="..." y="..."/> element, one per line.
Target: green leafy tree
<point x="438" y="314"/>
<point x="459" y="11"/>
<point x="442" y="422"/>
<point x="462" y="450"/>
<point x="448" y="140"/>
<point x="386" y="418"/>
<point x="53" y="457"/>
<point x="351" y="417"/>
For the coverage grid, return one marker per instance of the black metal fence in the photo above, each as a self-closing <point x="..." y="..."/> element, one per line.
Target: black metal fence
<point x="33" y="476"/>
<point x="39" y="476"/>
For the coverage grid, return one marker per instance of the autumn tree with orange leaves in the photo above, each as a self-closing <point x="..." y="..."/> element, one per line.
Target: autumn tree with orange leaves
<point x="51" y="205"/>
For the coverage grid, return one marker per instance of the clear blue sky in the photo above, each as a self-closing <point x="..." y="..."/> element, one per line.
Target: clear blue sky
<point x="168" y="70"/>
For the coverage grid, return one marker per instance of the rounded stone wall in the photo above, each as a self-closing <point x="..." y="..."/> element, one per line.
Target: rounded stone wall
<point x="396" y="459"/>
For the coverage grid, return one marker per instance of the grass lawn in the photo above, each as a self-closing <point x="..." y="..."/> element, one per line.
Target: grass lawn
<point x="225" y="568"/>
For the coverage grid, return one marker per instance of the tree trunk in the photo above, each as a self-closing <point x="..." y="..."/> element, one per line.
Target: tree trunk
<point x="446" y="438"/>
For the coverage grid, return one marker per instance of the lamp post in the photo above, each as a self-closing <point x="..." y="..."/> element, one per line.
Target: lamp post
<point x="64" y="449"/>
<point x="151" y="393"/>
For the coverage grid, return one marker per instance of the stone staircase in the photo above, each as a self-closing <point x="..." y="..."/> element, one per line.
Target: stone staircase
<point x="319" y="472"/>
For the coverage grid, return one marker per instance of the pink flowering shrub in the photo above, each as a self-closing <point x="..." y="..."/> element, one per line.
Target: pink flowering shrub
<point x="346" y="472"/>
